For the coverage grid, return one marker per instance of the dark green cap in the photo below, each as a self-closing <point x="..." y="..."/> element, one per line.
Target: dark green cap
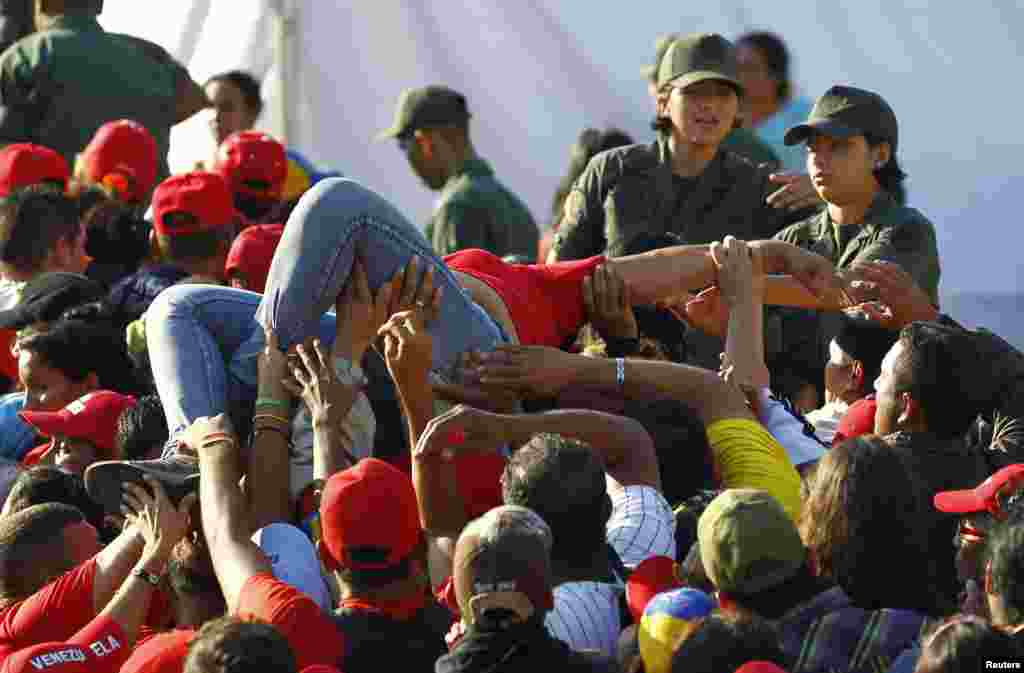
<point x="661" y="45"/>
<point x="427" y="107"/>
<point x="844" y="112"/>
<point x="699" y="57"/>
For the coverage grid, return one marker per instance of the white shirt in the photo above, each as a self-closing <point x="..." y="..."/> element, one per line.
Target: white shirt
<point x="788" y="429"/>
<point x="586" y="614"/>
<point x="826" y="420"/>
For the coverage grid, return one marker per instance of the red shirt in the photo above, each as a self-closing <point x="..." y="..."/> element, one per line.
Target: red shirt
<point x="100" y="647"/>
<point x="545" y="301"/>
<point x="53" y="614"/>
<point x="312" y="635"/>
<point x="160" y="653"/>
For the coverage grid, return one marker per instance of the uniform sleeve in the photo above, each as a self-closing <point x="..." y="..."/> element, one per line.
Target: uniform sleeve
<point x="581" y="230"/>
<point x="911" y="244"/>
<point x="20" y="101"/>
<point x="746" y="456"/>
<point x="312" y="635"/>
<point x="54" y="613"/>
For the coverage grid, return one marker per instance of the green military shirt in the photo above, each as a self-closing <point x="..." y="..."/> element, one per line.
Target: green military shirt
<point x="477" y="211"/>
<point x="628" y="192"/>
<point x="889" y="232"/>
<point x="746" y="143"/>
<point x="58" y="86"/>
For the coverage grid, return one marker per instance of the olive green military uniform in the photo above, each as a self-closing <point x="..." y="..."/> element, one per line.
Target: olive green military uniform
<point x="476" y="211"/>
<point x="631" y="191"/>
<point x="58" y="86"/>
<point x="890" y="232"/>
<point x="746" y="143"/>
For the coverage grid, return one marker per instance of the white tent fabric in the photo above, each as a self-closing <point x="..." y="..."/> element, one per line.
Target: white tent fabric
<point x="537" y="71"/>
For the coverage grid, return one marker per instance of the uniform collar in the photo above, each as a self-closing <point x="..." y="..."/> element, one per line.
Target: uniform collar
<point x="75" y="21"/>
<point x="474" y="167"/>
<point x="882" y="202"/>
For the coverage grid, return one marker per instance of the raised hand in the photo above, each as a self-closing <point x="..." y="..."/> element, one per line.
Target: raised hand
<point x="888" y="295"/>
<point x="462" y="428"/>
<point x="328" y="399"/>
<point x="408" y="347"/>
<point x="609" y="307"/>
<point x="161" y="524"/>
<point x="796" y="193"/>
<point x="359" y="313"/>
<point x="540" y="371"/>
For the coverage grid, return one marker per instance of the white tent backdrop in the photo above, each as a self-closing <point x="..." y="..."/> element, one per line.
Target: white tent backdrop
<point x="537" y="71"/>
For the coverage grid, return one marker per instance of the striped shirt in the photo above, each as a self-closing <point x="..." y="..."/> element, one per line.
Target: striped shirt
<point x="586" y="614"/>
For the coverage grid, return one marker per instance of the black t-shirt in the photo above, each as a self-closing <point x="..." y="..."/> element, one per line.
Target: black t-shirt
<point x="376" y="642"/>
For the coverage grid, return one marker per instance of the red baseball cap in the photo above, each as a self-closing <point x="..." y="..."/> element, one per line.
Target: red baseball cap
<point x="122" y="154"/>
<point x="859" y="420"/>
<point x="760" y="667"/>
<point x="203" y="195"/>
<point x="253" y="163"/>
<point x="92" y="417"/>
<point x="252" y="252"/>
<point x="984" y="497"/>
<point x="369" y="517"/>
<point x="653" y="576"/>
<point x="25" y="164"/>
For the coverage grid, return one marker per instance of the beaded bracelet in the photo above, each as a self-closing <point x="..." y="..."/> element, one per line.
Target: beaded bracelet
<point x="271" y="402"/>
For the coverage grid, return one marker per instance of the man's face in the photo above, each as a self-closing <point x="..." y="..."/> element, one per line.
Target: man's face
<point x="841" y="169"/>
<point x="428" y="168"/>
<point x="230" y="112"/>
<point x="46" y="388"/>
<point x="82" y="542"/>
<point x="888" y="397"/>
<point x="703" y="113"/>
<point x="74" y="455"/>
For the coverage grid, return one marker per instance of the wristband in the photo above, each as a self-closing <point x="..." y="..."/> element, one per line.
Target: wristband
<point x="275" y="417"/>
<point x="271" y="402"/>
<point x="620" y="372"/>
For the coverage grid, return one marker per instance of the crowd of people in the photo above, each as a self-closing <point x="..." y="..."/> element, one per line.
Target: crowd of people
<point x="709" y="418"/>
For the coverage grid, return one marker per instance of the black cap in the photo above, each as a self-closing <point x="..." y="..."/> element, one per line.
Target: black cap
<point x="844" y="112"/>
<point x="47" y="296"/>
<point x="698" y="57"/>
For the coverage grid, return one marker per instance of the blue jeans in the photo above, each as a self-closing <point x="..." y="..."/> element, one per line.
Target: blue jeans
<point x="204" y="340"/>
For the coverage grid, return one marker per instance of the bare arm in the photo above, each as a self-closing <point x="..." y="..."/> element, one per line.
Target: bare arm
<point x="267" y="484"/>
<point x="225" y="517"/>
<point x="114" y="564"/>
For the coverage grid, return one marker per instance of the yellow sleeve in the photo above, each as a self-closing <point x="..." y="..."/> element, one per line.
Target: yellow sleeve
<point x="747" y="456"/>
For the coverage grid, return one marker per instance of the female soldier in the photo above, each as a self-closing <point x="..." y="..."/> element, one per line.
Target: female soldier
<point x="684" y="183"/>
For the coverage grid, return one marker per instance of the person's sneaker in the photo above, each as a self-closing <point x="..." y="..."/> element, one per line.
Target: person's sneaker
<point x="103" y="481"/>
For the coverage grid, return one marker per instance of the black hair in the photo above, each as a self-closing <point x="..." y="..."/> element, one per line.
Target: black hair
<point x="965" y="643"/>
<point x="258" y="209"/>
<point x="114" y="232"/>
<point x="77" y="349"/>
<point x="43" y="484"/>
<point x="140" y="428"/>
<point x="937" y="366"/>
<point x="722" y="643"/>
<point x="32" y="221"/>
<point x="776" y="57"/>
<point x="562" y="481"/>
<point x="1006" y="553"/>
<point x="246" y="83"/>
<point x="32" y="548"/>
<point x="890" y="176"/>
<point x="589" y="144"/>
<point x="193" y="247"/>
<point x="230" y="645"/>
